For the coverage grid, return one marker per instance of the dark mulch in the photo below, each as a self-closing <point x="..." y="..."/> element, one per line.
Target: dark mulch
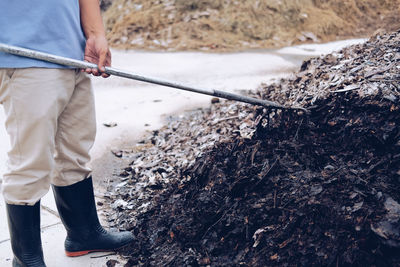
<point x="304" y="191"/>
<point x="234" y="185"/>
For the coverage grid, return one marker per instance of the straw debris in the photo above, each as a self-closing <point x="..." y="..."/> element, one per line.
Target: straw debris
<point x="220" y="25"/>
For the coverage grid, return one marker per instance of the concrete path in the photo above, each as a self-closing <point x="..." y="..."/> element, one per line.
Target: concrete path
<point x="53" y="235"/>
<point x="138" y="107"/>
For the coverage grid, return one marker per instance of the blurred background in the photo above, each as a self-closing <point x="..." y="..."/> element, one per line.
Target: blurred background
<point x="232" y="25"/>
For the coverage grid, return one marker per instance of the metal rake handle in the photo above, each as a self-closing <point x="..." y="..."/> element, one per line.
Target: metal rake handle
<point x="19" y="51"/>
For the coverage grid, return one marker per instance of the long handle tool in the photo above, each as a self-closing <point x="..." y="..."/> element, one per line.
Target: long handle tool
<point x="19" y="51"/>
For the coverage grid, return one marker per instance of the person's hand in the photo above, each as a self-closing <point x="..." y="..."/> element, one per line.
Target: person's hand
<point x="97" y="52"/>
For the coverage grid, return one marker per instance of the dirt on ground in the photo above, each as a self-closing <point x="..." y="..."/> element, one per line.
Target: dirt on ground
<point x="236" y="185"/>
<point x="230" y="25"/>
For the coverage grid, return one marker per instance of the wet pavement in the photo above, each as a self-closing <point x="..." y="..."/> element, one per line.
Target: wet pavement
<point x="137" y="107"/>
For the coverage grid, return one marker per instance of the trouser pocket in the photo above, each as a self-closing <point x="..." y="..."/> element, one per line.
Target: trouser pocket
<point x="6" y="76"/>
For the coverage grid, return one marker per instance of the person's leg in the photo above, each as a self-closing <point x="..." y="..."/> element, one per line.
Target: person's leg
<point x="32" y="99"/>
<point x="75" y="134"/>
<point x="73" y="189"/>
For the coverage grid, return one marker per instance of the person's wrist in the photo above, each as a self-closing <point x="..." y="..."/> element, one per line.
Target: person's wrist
<point x="99" y="35"/>
<point x="95" y="31"/>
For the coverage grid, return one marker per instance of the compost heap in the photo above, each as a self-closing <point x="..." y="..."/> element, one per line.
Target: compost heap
<point x="220" y="25"/>
<point x="239" y="185"/>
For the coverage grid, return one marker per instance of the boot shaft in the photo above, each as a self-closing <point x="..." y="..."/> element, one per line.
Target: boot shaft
<point x="76" y="205"/>
<point x="24" y="227"/>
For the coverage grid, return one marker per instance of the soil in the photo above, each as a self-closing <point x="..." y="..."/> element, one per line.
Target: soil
<point x="226" y="25"/>
<point x="237" y="185"/>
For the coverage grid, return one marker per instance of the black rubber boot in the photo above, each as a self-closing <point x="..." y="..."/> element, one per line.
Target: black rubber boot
<point x="24" y="226"/>
<point x="77" y="209"/>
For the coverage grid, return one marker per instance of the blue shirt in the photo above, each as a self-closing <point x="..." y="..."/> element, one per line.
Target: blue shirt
<point x="51" y="26"/>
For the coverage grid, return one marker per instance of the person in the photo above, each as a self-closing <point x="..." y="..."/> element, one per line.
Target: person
<point x="50" y="120"/>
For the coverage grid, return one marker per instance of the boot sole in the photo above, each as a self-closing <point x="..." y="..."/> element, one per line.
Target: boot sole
<point x="85" y="252"/>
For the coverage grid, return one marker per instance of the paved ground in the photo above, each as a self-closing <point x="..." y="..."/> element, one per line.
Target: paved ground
<point x="138" y="107"/>
<point x="53" y="235"/>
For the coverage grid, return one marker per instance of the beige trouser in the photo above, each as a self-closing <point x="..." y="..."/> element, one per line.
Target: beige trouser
<point x="51" y="123"/>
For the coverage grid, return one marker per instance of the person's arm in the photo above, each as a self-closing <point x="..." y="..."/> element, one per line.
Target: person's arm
<point x="97" y="50"/>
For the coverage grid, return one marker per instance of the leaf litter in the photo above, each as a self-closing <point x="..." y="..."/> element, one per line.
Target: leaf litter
<point x="238" y="185"/>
